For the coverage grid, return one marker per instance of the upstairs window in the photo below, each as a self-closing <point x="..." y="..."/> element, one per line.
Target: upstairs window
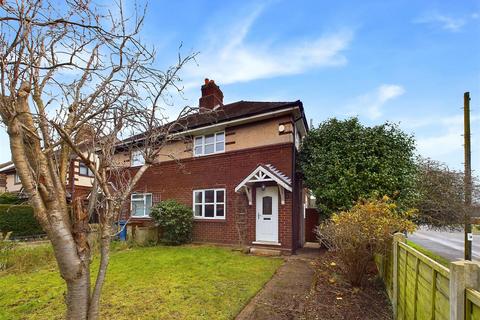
<point x="83" y="170"/>
<point x="209" y="144"/>
<point x="17" y="178"/>
<point x="137" y="159"/>
<point x="141" y="204"/>
<point x="209" y="204"/>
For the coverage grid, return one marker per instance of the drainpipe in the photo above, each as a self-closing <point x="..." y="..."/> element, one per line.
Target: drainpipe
<point x="294" y="189"/>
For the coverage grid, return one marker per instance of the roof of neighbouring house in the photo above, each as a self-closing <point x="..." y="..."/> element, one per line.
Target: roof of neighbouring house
<point x="7" y="167"/>
<point x="228" y="112"/>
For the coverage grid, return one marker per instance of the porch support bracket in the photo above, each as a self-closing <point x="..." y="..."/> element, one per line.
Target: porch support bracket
<point x="248" y="192"/>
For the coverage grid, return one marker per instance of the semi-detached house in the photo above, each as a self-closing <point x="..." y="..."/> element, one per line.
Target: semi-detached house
<point x="238" y="173"/>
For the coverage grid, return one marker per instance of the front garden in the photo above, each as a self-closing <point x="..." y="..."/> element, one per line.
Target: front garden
<point x="186" y="282"/>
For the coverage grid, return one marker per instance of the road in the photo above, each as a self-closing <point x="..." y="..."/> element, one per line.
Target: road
<point x="446" y="244"/>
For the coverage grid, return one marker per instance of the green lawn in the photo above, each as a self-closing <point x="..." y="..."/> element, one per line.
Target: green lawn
<point x="150" y="283"/>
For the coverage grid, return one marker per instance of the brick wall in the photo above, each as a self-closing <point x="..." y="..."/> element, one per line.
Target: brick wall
<point x="171" y="180"/>
<point x="3" y="182"/>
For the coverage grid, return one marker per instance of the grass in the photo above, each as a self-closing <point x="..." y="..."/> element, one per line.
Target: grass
<point x="149" y="283"/>
<point x="429" y="254"/>
<point x="476" y="229"/>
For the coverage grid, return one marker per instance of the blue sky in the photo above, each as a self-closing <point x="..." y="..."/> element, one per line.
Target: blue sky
<point x="407" y="62"/>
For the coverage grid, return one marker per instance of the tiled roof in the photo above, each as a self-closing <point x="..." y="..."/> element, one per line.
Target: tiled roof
<point x="228" y="112"/>
<point x="279" y="174"/>
<point x="233" y="111"/>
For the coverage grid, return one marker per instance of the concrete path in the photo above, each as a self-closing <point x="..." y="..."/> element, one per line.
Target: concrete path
<point x="283" y="296"/>
<point x="444" y="243"/>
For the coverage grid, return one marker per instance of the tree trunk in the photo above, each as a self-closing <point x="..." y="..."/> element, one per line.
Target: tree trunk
<point x="94" y="308"/>
<point x="77" y="297"/>
<point x="72" y="252"/>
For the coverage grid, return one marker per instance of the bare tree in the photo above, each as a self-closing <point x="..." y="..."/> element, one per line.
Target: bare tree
<point x="441" y="195"/>
<point x="74" y="80"/>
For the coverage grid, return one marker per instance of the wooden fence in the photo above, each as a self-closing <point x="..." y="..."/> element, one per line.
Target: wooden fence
<point x="472" y="307"/>
<point x="421" y="288"/>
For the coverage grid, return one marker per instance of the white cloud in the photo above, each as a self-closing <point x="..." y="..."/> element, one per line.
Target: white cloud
<point x="450" y="142"/>
<point x="371" y="103"/>
<point x="229" y="57"/>
<point x="437" y="147"/>
<point x="446" y="22"/>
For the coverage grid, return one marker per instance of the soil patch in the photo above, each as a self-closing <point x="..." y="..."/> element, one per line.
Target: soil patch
<point x="332" y="297"/>
<point x="310" y="285"/>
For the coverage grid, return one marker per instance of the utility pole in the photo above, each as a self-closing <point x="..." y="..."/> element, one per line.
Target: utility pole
<point x="468" y="177"/>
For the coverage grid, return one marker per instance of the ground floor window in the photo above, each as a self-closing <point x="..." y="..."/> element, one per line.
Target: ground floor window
<point x="141" y="204"/>
<point x="209" y="203"/>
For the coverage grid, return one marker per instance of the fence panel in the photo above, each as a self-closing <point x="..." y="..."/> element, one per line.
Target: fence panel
<point x="472" y="304"/>
<point x="423" y="286"/>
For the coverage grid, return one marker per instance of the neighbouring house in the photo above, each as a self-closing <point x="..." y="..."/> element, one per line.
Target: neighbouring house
<point x="3" y="183"/>
<point x="3" y="177"/>
<point x="79" y="179"/>
<point x="237" y="172"/>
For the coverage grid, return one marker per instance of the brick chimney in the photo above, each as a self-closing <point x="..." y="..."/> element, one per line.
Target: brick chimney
<point x="211" y="97"/>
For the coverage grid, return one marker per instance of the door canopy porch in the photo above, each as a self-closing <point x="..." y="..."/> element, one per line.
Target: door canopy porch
<point x="262" y="174"/>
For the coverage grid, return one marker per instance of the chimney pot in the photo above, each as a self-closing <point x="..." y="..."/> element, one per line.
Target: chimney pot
<point x="211" y="97"/>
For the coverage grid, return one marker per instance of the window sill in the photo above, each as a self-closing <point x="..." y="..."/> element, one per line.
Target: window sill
<point x="209" y="220"/>
<point x="209" y="154"/>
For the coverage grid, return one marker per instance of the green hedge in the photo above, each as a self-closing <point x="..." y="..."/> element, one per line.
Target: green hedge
<point x="19" y="219"/>
<point x="10" y="198"/>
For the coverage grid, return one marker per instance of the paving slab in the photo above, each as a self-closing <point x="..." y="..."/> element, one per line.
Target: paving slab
<point x="284" y="295"/>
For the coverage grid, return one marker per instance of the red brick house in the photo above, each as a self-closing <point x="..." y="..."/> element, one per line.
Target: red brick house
<point x="238" y="173"/>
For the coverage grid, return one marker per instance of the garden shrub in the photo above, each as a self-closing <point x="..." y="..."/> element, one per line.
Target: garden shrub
<point x="175" y="221"/>
<point x="19" y="220"/>
<point x="361" y="232"/>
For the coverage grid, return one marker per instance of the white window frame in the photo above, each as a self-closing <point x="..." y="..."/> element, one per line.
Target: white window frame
<point x="214" y="203"/>
<point x="89" y="171"/>
<point x="144" y="204"/>
<point x="16" y="178"/>
<point x="202" y="153"/>
<point x="134" y="155"/>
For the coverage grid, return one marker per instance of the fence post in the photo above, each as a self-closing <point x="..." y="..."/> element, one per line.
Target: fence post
<point x="397" y="237"/>
<point x="457" y="290"/>
<point x="472" y="279"/>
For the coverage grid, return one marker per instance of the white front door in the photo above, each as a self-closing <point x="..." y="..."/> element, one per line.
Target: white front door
<point x="267" y="214"/>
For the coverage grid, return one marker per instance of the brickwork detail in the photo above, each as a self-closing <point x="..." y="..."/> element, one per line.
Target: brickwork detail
<point x="168" y="180"/>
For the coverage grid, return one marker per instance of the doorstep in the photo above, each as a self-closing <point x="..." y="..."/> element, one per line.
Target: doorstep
<point x="267" y="243"/>
<point x="265" y="252"/>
